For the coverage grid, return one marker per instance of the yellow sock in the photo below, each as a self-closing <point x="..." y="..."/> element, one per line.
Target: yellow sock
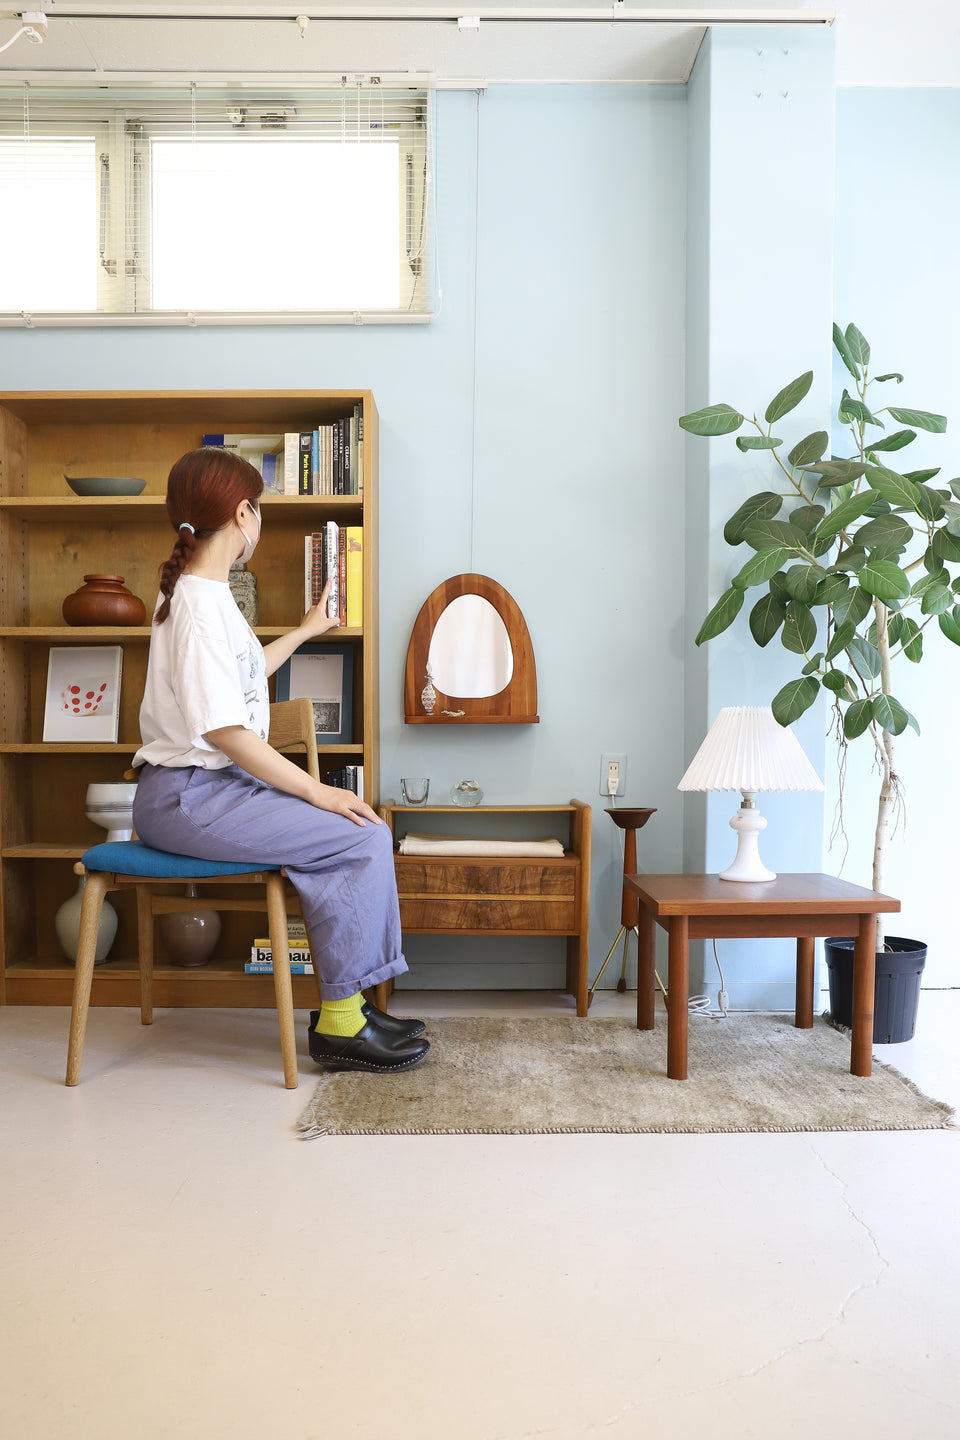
<point x="341" y="1017"/>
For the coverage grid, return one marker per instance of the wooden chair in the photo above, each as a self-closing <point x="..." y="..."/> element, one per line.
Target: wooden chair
<point x="116" y="865"/>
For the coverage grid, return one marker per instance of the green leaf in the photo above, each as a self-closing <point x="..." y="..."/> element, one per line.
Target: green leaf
<point x="758" y="507"/>
<point x="836" y="472"/>
<point x="795" y="697"/>
<point x="807" y="517"/>
<point x="761" y="534"/>
<point x="831" y="590"/>
<point x="893" y="487"/>
<point x="799" y="629"/>
<point x="949" y="627"/>
<point x="928" y="582"/>
<point x="883" y="579"/>
<point x="955" y="487"/>
<point x="802" y="581"/>
<point x="912" y="640"/>
<point x="845" y="513"/>
<point x="760" y="567"/>
<point x="850" y="409"/>
<point x="813" y="664"/>
<point x="721" y="616"/>
<point x="889" y="713"/>
<point x="842" y="636"/>
<point x="922" y="419"/>
<point x="852" y="608"/>
<point x="778" y="588"/>
<point x="766" y="617"/>
<point x="896" y="441"/>
<point x="812" y="447"/>
<point x="891" y="376"/>
<point x="788" y="398"/>
<point x="885" y="530"/>
<point x="952" y="511"/>
<point x="955" y="585"/>
<point x="840" y="684"/>
<point x="714" y="420"/>
<point x="912" y="722"/>
<point x="757" y="442"/>
<point x="857" y="345"/>
<point x="857" y="718"/>
<point x="921" y="476"/>
<point x="945" y="545"/>
<point x="865" y="656"/>
<point x="853" y="558"/>
<point x="936" y="600"/>
<point x="843" y="350"/>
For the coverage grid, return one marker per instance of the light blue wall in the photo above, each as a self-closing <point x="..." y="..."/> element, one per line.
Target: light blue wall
<point x="759" y="283"/>
<point x="898" y="280"/>
<point x="578" y="476"/>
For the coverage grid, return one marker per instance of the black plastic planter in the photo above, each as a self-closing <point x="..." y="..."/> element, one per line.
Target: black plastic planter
<point x="897" y="991"/>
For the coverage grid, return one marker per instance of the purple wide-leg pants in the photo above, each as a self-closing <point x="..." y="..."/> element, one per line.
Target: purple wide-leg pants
<point x="342" y="872"/>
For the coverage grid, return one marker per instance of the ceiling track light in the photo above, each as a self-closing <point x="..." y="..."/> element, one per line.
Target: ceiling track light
<point x="33" y="25"/>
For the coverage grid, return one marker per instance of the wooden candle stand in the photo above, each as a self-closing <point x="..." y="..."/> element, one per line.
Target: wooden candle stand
<point x="630" y="819"/>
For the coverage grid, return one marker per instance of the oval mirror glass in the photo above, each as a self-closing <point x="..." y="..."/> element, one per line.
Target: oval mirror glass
<point x="470" y="654"/>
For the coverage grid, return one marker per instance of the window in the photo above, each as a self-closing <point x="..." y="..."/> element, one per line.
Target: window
<point x="205" y="205"/>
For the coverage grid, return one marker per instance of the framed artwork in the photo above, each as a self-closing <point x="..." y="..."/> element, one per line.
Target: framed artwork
<point x="324" y="674"/>
<point x="83" y="694"/>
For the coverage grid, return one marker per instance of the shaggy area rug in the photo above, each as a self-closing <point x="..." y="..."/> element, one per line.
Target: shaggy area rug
<point x="498" y="1075"/>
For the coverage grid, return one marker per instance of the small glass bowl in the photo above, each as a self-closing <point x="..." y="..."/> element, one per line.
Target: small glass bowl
<point x="466" y="792"/>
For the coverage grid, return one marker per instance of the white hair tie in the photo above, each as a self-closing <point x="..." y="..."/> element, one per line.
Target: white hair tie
<point x="185" y="525"/>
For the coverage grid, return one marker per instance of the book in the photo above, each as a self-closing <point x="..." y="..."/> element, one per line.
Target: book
<point x="342" y="573"/>
<point x="272" y="472"/>
<point x="291" y="459"/>
<point x="354" y="569"/>
<point x="260" y="451"/>
<point x="347" y="467"/>
<point x="331" y="567"/>
<point x="263" y="954"/>
<point x="303" y="471"/>
<point x="253" y="967"/>
<point x="359" y="410"/>
<point x="315" y="462"/>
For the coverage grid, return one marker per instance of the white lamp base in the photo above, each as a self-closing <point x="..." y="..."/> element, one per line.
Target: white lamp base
<point x="747" y="865"/>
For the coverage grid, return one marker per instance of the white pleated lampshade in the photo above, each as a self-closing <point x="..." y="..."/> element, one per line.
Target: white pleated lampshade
<point x="747" y="750"/>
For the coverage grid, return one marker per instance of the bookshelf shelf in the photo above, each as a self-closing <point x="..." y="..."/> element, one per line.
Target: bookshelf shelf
<point x="49" y="539"/>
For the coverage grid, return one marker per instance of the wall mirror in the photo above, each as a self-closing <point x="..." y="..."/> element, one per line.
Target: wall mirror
<point x="472" y="635"/>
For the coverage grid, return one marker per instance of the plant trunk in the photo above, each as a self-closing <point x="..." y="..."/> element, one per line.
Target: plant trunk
<point x="888" y="788"/>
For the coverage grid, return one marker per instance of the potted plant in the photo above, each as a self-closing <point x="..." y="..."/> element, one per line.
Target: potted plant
<point x="855" y="560"/>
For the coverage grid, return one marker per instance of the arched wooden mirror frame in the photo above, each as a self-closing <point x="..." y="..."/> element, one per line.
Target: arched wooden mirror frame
<point x="514" y="705"/>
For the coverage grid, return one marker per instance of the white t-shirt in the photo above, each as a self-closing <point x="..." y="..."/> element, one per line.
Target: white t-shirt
<point x="205" y="670"/>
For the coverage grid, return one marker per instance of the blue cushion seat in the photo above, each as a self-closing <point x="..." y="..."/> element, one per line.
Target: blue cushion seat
<point x="130" y="857"/>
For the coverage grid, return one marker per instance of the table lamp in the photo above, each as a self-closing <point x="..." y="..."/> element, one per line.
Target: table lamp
<point x="747" y="750"/>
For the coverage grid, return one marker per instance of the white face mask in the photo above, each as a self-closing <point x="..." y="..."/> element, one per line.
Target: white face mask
<point x="251" y="545"/>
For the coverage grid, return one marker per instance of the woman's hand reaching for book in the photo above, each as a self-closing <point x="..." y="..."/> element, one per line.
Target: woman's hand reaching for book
<point x="317" y="621"/>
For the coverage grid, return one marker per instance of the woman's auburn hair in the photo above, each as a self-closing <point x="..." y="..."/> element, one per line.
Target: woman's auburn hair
<point x="204" y="488"/>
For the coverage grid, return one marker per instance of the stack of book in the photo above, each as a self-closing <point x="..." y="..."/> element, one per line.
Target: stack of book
<point x="335" y="553"/>
<point x="325" y="461"/>
<point x="301" y="959"/>
<point x="349" y="778"/>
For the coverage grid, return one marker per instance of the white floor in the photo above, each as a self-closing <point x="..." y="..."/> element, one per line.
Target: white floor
<point x="176" y="1264"/>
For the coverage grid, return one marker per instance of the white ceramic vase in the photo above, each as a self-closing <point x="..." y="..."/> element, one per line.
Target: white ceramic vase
<point x="67" y="925"/>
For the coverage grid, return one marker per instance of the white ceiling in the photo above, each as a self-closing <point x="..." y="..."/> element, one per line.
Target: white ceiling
<point x="879" y="42"/>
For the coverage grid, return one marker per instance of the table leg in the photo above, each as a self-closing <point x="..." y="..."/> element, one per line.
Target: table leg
<point x="805" y="955"/>
<point x="678" y="997"/>
<point x="646" y="956"/>
<point x="864" y="979"/>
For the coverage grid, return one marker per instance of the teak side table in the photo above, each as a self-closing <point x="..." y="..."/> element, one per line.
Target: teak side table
<point x="704" y="907"/>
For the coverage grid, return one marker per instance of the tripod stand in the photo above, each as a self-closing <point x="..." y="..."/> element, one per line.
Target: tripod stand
<point x="629" y="820"/>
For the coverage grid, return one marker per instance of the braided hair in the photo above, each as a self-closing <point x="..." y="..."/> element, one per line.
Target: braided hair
<point x="204" y="488"/>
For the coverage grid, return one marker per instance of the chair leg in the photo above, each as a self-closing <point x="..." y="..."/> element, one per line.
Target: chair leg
<point x="93" y="894"/>
<point x="145" y="950"/>
<point x="277" y="918"/>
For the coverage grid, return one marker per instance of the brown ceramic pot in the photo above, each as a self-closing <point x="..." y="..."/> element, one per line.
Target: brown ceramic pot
<point x="103" y="600"/>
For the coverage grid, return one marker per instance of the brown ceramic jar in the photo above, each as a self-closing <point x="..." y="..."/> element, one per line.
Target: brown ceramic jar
<point x="103" y="600"/>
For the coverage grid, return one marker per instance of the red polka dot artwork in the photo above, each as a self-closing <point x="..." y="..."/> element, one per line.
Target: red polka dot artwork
<point x="83" y="691"/>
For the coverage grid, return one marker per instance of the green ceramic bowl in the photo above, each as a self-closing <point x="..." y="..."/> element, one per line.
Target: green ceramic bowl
<point x="105" y="485"/>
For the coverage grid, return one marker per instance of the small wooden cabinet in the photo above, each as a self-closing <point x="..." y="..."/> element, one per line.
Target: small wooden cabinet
<point x="50" y="538"/>
<point x="501" y="895"/>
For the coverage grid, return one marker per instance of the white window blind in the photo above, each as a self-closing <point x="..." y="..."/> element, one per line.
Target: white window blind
<point x="214" y="205"/>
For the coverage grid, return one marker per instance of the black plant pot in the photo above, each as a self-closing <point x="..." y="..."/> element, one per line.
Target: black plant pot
<point x="896" y="993"/>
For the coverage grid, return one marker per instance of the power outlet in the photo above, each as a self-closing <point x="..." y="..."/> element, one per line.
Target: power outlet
<point x="613" y="767"/>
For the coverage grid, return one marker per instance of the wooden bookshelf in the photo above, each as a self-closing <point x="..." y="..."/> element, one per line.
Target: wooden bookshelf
<point x="49" y="539"/>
